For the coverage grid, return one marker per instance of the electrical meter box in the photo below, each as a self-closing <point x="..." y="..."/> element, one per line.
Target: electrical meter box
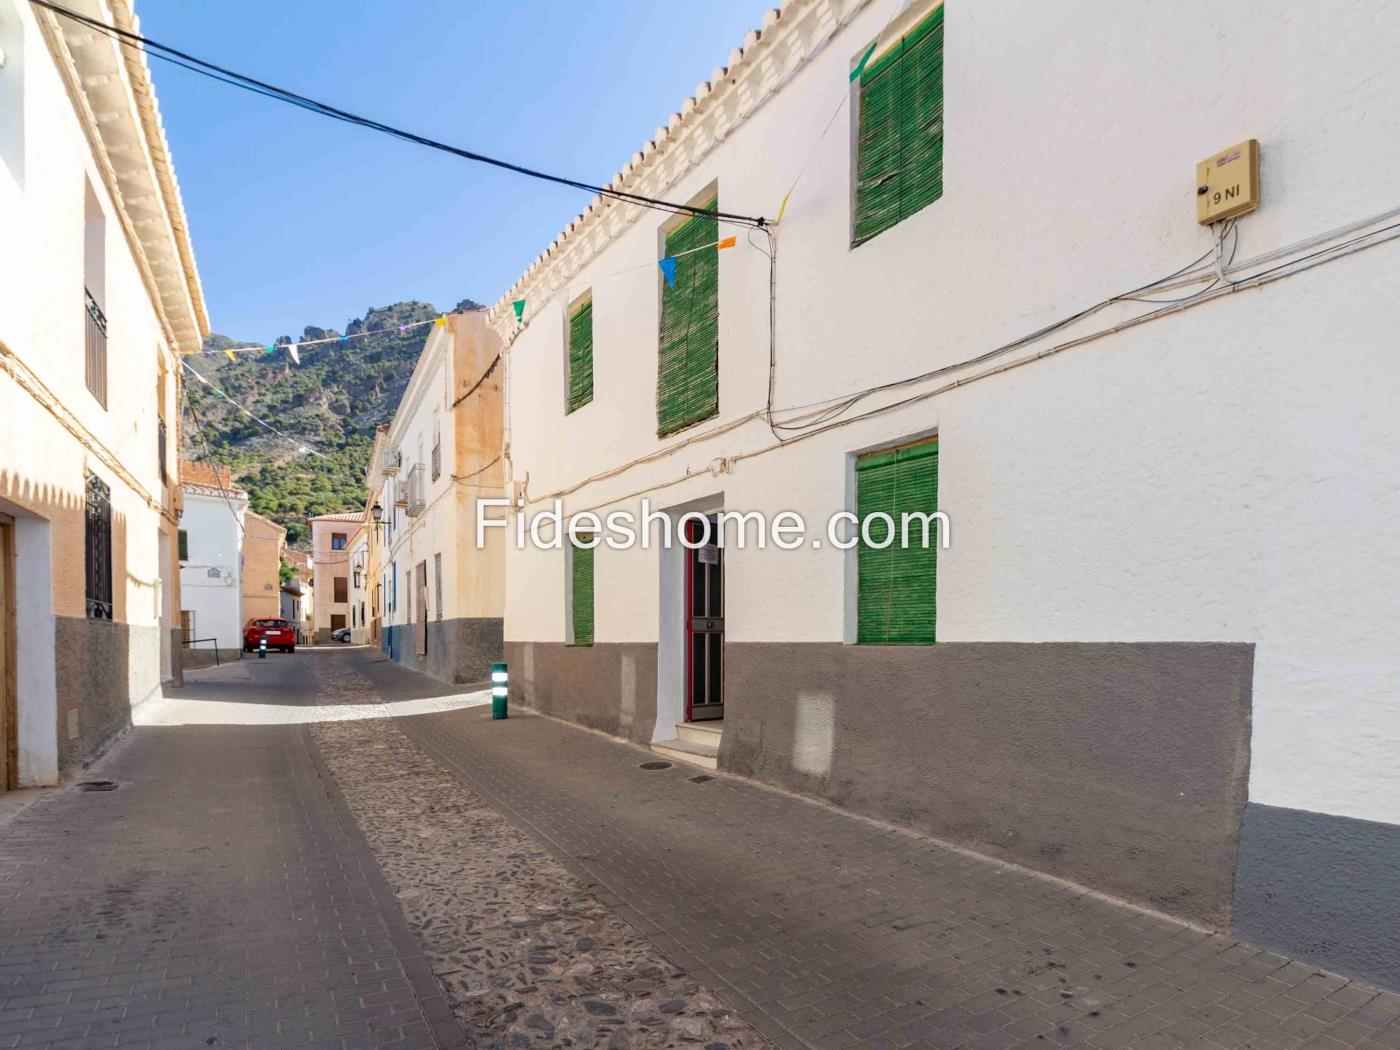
<point x="1227" y="184"/>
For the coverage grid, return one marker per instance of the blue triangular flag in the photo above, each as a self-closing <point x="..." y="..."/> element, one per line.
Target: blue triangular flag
<point x="668" y="270"/>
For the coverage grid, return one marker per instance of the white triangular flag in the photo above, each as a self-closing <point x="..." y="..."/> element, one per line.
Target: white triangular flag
<point x="292" y="349"/>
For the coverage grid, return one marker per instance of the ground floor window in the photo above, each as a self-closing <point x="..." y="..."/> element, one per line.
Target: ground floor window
<point x="98" y="548"/>
<point x="581" y="590"/>
<point x="896" y="593"/>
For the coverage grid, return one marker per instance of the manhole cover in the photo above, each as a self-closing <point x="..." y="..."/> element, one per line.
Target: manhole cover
<point x="656" y="765"/>
<point x="97" y="785"/>
<point x="703" y="778"/>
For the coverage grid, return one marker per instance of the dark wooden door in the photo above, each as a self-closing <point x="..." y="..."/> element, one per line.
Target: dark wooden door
<point x="704" y="648"/>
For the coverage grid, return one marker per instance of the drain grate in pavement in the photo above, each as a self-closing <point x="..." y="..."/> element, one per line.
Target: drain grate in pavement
<point x="703" y="778"/>
<point x="656" y="765"/>
<point x="97" y="785"/>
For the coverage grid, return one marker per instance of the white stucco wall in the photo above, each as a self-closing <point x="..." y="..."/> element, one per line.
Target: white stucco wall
<point x="214" y="527"/>
<point x="1215" y="475"/>
<point x="55" y="431"/>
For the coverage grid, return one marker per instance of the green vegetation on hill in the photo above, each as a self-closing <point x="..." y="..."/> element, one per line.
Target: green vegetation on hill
<point x="332" y="401"/>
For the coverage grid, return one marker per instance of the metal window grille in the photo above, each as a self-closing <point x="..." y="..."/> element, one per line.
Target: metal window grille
<point x="96" y="344"/>
<point x="98" y="549"/>
<point x="160" y="452"/>
<point x="437" y="458"/>
<point x="437" y="582"/>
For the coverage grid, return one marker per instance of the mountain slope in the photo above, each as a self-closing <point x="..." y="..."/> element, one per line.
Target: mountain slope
<point x="332" y="401"/>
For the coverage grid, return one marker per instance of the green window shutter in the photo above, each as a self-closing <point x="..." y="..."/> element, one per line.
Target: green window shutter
<point x="899" y="164"/>
<point x="896" y="597"/>
<point x="582" y="597"/>
<point x="184" y="545"/>
<point x="687" y="380"/>
<point x="581" y="356"/>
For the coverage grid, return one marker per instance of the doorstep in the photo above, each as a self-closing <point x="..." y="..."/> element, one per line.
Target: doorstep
<point x="696" y="743"/>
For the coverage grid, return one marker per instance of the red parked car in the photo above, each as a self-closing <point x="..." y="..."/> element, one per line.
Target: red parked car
<point x="280" y="634"/>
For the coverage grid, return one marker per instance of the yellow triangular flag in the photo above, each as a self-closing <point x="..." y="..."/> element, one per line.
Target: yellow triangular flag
<point x="229" y="354"/>
<point x="783" y="207"/>
<point x="441" y="320"/>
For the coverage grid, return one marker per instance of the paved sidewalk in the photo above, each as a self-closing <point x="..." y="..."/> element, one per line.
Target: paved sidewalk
<point x="825" y="930"/>
<point x="219" y="897"/>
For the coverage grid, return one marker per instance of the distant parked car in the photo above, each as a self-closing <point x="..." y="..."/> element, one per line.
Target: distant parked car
<point x="340" y="634"/>
<point x="280" y="634"/>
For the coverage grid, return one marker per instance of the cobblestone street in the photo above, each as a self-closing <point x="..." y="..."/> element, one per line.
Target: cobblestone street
<point x="440" y="879"/>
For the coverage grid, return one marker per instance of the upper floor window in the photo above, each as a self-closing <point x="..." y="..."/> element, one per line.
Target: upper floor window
<point x="580" y="353"/>
<point x="97" y="548"/>
<point x="437" y="445"/>
<point x="184" y="545"/>
<point x="899" y="158"/>
<point x="687" y="378"/>
<point x="337" y="541"/>
<point x="897" y="574"/>
<point x="95" y="296"/>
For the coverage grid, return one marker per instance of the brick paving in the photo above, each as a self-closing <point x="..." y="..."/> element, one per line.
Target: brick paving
<point x="828" y="931"/>
<point x="219" y="897"/>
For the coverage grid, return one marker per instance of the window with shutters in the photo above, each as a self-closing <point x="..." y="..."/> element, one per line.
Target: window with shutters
<point x="437" y="582"/>
<point x="899" y="151"/>
<point x="687" y="379"/>
<point x="184" y="545"/>
<point x="581" y="591"/>
<point x="896" y="599"/>
<point x="580" y="353"/>
<point x="341" y="592"/>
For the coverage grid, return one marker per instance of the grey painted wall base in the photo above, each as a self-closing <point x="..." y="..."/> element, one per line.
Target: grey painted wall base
<point x="1120" y="766"/>
<point x="459" y="650"/>
<point x="610" y="686"/>
<point x="96" y="682"/>
<point x="1321" y="887"/>
<point x="193" y="659"/>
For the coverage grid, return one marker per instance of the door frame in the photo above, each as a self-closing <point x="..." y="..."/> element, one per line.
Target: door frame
<point x="9" y="692"/>
<point x="689" y="622"/>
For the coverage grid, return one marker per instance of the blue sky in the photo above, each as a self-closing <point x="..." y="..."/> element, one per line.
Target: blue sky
<point x="299" y="220"/>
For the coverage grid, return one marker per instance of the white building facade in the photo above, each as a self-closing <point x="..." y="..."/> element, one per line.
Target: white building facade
<point x="440" y="595"/>
<point x="211" y="569"/>
<point x="1157" y="656"/>
<point x="332" y="536"/>
<point x="99" y="295"/>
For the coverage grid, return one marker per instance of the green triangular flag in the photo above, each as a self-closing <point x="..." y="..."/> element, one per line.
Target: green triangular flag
<point x="860" y="66"/>
<point x="519" y="305"/>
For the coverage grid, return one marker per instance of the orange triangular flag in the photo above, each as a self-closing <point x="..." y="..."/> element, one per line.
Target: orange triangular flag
<point x="728" y="242"/>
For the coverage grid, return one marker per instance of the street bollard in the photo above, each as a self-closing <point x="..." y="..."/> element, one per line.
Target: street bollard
<point x="500" y="691"/>
<point x="262" y="648"/>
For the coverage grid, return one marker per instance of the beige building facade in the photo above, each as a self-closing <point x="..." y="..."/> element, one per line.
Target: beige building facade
<point x="264" y="542"/>
<point x="331" y="539"/>
<point x="98" y="296"/>
<point x="438" y="596"/>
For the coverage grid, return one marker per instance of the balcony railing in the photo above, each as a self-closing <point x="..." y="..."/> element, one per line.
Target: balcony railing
<point x="416" y="497"/>
<point x="437" y="460"/>
<point x="95" y="341"/>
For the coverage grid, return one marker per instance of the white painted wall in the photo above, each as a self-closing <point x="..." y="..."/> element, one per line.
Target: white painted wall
<point x="55" y="431"/>
<point x="1217" y="475"/>
<point x="211" y="578"/>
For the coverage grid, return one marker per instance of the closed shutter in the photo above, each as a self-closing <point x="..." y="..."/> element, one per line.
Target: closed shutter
<point x="896" y="600"/>
<point x="687" y="380"/>
<point x="437" y="582"/>
<point x="899" y="167"/>
<point x="581" y="356"/>
<point x="582" y="593"/>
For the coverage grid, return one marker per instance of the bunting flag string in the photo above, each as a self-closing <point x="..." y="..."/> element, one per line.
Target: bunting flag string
<point x="302" y="446"/>
<point x="294" y="349"/>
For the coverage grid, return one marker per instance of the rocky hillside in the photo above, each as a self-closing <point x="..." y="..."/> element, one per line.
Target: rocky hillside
<point x="333" y="401"/>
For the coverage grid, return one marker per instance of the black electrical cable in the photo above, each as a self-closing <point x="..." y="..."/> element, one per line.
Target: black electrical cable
<point x="272" y="91"/>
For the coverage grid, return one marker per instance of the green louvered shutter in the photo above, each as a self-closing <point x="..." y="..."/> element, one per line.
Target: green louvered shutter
<point x="896" y="600"/>
<point x="581" y="356"/>
<point x="582" y="599"/>
<point x="687" y="380"/>
<point x="899" y="165"/>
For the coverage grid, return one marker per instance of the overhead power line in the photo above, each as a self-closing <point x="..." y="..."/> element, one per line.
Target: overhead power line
<point x="325" y="109"/>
